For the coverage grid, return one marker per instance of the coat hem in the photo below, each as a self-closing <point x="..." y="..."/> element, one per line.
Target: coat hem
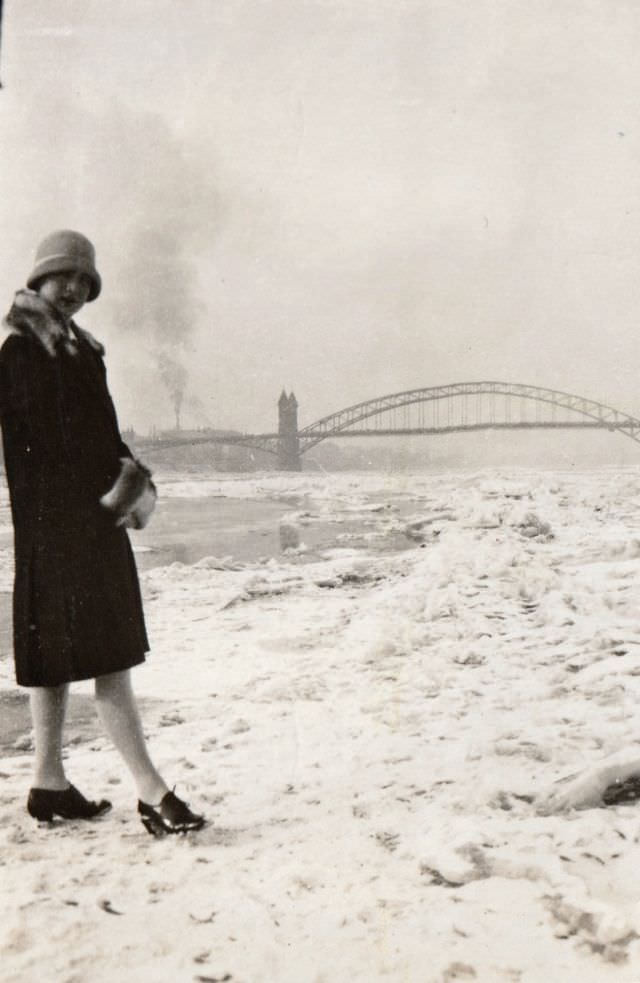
<point x="26" y="682"/>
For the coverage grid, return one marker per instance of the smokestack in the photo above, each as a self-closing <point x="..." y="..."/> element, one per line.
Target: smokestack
<point x="174" y="376"/>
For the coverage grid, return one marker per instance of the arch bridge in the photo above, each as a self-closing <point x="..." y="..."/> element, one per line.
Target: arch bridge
<point x="454" y="408"/>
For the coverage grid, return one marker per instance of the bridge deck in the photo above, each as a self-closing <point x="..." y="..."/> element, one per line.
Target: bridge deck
<point x="265" y="438"/>
<point x="498" y="425"/>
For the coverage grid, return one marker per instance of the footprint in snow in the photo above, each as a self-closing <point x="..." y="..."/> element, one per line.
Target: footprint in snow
<point x="171" y="718"/>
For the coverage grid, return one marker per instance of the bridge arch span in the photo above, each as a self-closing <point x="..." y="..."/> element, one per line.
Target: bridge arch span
<point x="344" y="421"/>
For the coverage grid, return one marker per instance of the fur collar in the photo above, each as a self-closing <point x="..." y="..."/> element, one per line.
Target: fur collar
<point x="34" y="317"/>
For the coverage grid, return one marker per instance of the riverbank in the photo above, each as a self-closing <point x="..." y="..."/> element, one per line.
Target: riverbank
<point x="367" y="731"/>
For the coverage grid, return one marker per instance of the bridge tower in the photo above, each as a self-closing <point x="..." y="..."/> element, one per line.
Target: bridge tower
<point x="289" y="444"/>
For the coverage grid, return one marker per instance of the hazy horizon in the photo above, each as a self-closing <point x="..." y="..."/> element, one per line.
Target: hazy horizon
<point x="342" y="198"/>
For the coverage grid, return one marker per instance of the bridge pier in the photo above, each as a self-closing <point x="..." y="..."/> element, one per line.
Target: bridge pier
<point x="289" y="458"/>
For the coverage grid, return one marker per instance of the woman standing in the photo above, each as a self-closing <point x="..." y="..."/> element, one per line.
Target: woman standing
<point x="77" y="610"/>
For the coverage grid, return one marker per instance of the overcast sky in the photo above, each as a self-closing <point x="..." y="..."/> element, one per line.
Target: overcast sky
<point x="342" y="197"/>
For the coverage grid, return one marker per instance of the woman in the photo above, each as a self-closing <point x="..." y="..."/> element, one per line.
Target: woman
<point x="77" y="610"/>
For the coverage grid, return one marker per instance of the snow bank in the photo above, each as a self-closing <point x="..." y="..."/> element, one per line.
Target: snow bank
<point x="374" y="738"/>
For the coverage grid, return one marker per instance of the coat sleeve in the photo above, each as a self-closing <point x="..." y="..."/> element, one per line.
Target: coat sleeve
<point x="36" y="445"/>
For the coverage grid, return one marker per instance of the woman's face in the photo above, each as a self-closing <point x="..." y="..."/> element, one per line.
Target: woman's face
<point x="67" y="292"/>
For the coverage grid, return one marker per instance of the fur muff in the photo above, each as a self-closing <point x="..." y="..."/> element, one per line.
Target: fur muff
<point x="133" y="496"/>
<point x="31" y="315"/>
<point x="140" y="514"/>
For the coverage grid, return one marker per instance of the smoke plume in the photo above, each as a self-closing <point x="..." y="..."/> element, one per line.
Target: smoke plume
<point x="174" y="376"/>
<point x="165" y="218"/>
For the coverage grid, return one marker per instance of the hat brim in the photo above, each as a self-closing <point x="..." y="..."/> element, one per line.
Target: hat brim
<point x="65" y="264"/>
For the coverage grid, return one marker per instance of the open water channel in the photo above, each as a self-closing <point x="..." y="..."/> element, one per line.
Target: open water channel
<point x="185" y="530"/>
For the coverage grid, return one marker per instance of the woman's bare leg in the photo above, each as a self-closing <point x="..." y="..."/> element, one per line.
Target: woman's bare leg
<point x="118" y="711"/>
<point x="48" y="709"/>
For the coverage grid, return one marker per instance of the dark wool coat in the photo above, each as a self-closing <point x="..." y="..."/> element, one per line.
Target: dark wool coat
<point x="77" y="605"/>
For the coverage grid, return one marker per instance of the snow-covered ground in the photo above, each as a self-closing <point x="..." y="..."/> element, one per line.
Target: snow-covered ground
<point x="376" y="739"/>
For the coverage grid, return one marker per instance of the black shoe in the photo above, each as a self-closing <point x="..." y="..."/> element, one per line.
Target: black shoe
<point x="43" y="804"/>
<point x="171" y="816"/>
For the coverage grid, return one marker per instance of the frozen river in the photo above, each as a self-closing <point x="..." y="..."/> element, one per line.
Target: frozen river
<point x="373" y="722"/>
<point x="187" y="529"/>
<point x="198" y="518"/>
<point x="201" y="518"/>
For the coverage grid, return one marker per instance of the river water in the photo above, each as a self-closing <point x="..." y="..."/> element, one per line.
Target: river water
<point x="185" y="530"/>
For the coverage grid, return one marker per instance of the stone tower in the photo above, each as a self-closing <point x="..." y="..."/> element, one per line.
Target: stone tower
<point x="289" y="449"/>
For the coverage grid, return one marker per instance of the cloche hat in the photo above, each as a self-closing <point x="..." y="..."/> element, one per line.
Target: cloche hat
<point x="65" y="251"/>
